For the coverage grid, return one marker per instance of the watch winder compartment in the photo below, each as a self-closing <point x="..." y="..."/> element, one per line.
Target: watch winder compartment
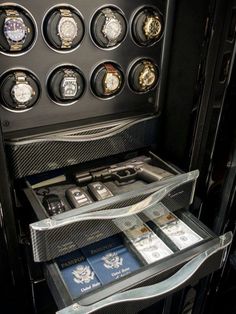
<point x="63" y="28"/>
<point x="19" y="30"/>
<point x="107" y="80"/>
<point x="66" y="84"/>
<point x="108" y="27"/>
<point x="20" y="90"/>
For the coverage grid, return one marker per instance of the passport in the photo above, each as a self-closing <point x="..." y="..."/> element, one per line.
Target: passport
<point x="78" y="275"/>
<point x="110" y="259"/>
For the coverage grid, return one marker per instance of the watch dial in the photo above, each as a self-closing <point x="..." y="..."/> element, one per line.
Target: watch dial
<point x="15" y="29"/>
<point x="148" y="77"/>
<point x="22" y="93"/>
<point x="152" y="27"/>
<point x="69" y="87"/>
<point x="112" y="82"/>
<point x="68" y="29"/>
<point x="112" y="29"/>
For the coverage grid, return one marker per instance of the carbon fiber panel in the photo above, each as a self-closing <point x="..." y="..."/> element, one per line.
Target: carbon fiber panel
<point x="32" y="157"/>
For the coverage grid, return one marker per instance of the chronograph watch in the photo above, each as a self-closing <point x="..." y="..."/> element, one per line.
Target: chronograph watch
<point x="15" y="30"/>
<point x="22" y="92"/>
<point x="67" y="28"/>
<point x="148" y="76"/>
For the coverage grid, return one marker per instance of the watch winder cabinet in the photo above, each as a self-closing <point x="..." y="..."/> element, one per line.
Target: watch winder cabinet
<point x="86" y="35"/>
<point x="142" y="259"/>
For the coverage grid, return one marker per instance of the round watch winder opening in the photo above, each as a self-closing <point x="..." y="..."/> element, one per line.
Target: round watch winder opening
<point x="18" y="30"/>
<point x="107" y="80"/>
<point x="63" y="28"/>
<point x="65" y="85"/>
<point x="20" y="90"/>
<point x="147" y="26"/>
<point x="143" y="76"/>
<point x="108" y="27"/>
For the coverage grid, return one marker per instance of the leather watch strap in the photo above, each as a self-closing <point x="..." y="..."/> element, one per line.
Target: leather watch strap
<point x="110" y="68"/>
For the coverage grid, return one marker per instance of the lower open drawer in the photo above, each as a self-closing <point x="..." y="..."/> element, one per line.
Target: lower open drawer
<point x="148" y="260"/>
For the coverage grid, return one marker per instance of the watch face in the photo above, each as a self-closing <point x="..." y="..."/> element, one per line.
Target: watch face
<point x="112" y="82"/>
<point x="15" y="29"/>
<point x="67" y="28"/>
<point x="152" y="27"/>
<point x="22" y="93"/>
<point x="69" y="87"/>
<point x="147" y="77"/>
<point x="112" y="29"/>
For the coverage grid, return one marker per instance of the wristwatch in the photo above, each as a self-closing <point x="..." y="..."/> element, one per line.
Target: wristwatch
<point x="67" y="28"/>
<point x="15" y="30"/>
<point x="152" y="27"/>
<point x="112" y="80"/>
<point x="69" y="85"/>
<point x="112" y="27"/>
<point x="148" y="76"/>
<point x="22" y="92"/>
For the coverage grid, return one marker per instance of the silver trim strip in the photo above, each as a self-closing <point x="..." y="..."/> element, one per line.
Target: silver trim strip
<point x="67" y="137"/>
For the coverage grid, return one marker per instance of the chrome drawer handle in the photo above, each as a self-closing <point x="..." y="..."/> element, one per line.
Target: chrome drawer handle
<point x="158" y="290"/>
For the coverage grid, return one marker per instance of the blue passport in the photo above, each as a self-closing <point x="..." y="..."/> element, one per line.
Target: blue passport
<point x="78" y="275"/>
<point x="110" y="259"/>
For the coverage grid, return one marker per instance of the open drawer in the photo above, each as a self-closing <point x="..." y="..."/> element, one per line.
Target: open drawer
<point x="56" y="235"/>
<point x="126" y="252"/>
<point x="146" y="260"/>
<point x="143" y="287"/>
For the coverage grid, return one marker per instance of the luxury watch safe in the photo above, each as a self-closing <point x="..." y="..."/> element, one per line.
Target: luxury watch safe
<point x="98" y="209"/>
